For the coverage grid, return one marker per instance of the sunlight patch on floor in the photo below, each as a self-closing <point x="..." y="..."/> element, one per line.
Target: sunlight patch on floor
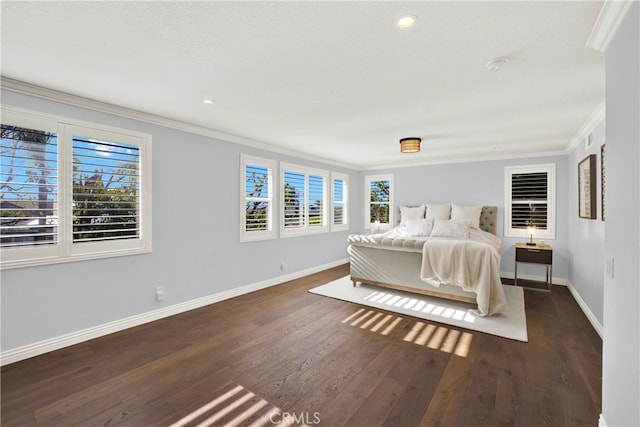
<point x="424" y="334"/>
<point x="238" y="406"/>
<point x="372" y="320"/>
<point x="440" y="338"/>
<point x="419" y="305"/>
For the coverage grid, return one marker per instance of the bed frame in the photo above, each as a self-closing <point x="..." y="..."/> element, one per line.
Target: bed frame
<point x="401" y="270"/>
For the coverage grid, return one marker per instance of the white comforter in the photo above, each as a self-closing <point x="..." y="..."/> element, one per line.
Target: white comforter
<point x="472" y="265"/>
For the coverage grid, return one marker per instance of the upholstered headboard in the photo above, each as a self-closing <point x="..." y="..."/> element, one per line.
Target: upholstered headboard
<point x="488" y="218"/>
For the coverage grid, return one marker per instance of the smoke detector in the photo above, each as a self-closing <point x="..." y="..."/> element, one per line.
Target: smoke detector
<point x="497" y="64"/>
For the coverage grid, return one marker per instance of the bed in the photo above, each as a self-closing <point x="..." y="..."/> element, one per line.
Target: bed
<point x="462" y="263"/>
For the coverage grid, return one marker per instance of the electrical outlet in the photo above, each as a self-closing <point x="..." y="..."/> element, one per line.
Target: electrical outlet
<point x="159" y="293"/>
<point x="282" y="265"/>
<point x="609" y="268"/>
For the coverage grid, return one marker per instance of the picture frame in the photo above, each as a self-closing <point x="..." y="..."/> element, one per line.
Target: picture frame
<point x="603" y="180"/>
<point x="587" y="187"/>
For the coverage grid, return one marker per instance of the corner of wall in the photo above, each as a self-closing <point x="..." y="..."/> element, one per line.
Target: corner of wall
<point x="602" y="422"/>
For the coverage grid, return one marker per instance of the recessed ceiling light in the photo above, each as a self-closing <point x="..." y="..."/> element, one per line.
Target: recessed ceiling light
<point x="406" y="21"/>
<point x="208" y="102"/>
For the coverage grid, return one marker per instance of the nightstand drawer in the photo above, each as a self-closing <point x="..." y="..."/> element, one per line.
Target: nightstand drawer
<point x="534" y="255"/>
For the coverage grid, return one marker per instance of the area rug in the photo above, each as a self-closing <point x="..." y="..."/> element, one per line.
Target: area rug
<point x="511" y="323"/>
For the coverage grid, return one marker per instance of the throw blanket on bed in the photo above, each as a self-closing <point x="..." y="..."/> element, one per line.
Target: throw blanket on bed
<point x="473" y="266"/>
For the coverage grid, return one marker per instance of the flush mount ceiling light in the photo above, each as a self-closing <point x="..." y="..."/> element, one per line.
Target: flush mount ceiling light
<point x="410" y="145"/>
<point x="208" y="101"/>
<point x="406" y="21"/>
<point x="497" y="64"/>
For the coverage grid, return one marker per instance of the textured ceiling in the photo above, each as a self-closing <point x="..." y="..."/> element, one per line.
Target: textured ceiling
<point x="333" y="80"/>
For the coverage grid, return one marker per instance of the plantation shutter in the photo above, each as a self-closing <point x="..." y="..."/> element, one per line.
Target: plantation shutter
<point x="339" y="217"/>
<point x="257" y="198"/>
<point x="106" y="190"/>
<point x="380" y="201"/>
<point x="303" y="200"/>
<point x="29" y="183"/>
<point x="316" y="201"/>
<point x="294" y="199"/>
<point x="529" y="200"/>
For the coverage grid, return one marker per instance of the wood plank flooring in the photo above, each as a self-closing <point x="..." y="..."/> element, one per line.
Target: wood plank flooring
<point x="283" y="355"/>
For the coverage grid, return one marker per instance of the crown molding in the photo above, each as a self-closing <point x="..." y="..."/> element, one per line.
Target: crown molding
<point x="587" y="127"/>
<point x="115" y="110"/>
<point x="462" y="157"/>
<point x="611" y="16"/>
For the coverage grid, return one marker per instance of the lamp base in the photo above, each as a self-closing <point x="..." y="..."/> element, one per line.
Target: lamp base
<point x="530" y="244"/>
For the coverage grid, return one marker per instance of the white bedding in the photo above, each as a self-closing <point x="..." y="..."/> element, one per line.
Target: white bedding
<point x="473" y="234"/>
<point x="471" y="262"/>
<point x="474" y="266"/>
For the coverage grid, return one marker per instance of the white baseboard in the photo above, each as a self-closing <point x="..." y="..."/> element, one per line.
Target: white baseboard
<point x="586" y="310"/>
<point x="602" y="422"/>
<point x="51" y="344"/>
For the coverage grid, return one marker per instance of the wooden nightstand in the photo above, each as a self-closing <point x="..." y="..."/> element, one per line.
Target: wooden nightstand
<point x="535" y="254"/>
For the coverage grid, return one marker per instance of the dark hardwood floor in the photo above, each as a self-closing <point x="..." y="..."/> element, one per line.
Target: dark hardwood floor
<point x="282" y="354"/>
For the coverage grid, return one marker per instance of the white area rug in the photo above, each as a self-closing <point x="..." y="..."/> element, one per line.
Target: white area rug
<point x="511" y="323"/>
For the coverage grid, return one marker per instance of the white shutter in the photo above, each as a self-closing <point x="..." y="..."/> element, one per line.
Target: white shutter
<point x="106" y="190"/>
<point x="379" y="201"/>
<point x="29" y="184"/>
<point x="71" y="190"/>
<point x="530" y="200"/>
<point x="256" y="203"/>
<point x="294" y="199"/>
<point x="339" y="199"/>
<point x="317" y="201"/>
<point x="304" y="200"/>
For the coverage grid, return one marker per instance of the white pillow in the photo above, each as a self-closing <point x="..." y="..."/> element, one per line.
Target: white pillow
<point x="419" y="227"/>
<point x="450" y="228"/>
<point x="411" y="212"/>
<point x="467" y="213"/>
<point x="439" y="212"/>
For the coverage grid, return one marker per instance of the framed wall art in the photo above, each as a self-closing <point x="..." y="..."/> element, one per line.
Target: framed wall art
<point x="587" y="187"/>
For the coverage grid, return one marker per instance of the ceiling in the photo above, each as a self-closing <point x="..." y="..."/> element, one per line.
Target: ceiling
<point x="335" y="81"/>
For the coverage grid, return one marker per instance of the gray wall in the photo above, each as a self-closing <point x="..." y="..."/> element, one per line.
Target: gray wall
<point x="586" y="237"/>
<point x="483" y="183"/>
<point x="621" y="344"/>
<point x="196" y="248"/>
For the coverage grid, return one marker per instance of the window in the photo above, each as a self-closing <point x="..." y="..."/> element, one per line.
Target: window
<point x="256" y="210"/>
<point x="339" y="198"/>
<point x="29" y="202"/>
<point x="72" y="191"/>
<point x="303" y="200"/>
<point x="530" y="200"/>
<point x="379" y="201"/>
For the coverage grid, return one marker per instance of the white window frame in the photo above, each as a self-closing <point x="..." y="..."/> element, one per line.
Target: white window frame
<point x="307" y="228"/>
<point x="271" y="166"/>
<point x="550" y="169"/>
<point x="65" y="250"/>
<point x="367" y="202"/>
<point x="345" y="201"/>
